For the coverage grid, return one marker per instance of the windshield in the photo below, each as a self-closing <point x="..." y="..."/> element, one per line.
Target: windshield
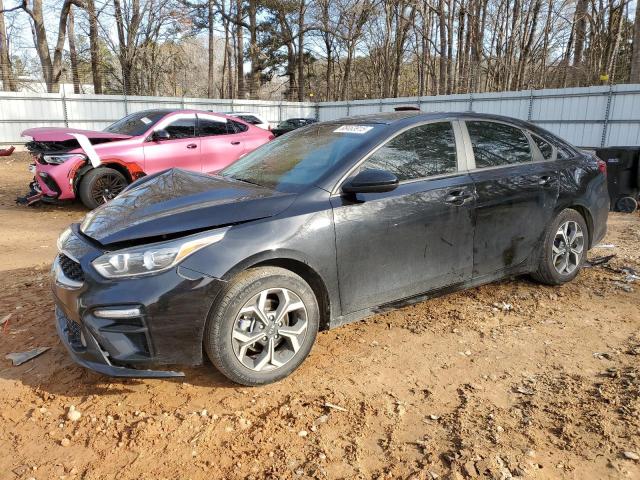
<point x="295" y="161"/>
<point x="137" y="123"/>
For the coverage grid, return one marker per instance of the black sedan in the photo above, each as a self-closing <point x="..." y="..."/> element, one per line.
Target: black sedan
<point x="324" y="226"/>
<point x="291" y="124"/>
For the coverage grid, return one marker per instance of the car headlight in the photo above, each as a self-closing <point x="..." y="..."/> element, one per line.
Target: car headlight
<point x="63" y="238"/>
<point x="57" y="159"/>
<point x="153" y="258"/>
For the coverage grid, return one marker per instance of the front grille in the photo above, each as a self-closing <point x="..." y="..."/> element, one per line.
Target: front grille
<point x="71" y="269"/>
<point x="73" y="332"/>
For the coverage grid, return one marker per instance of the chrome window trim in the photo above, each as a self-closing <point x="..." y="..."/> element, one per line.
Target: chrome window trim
<point x="336" y="189"/>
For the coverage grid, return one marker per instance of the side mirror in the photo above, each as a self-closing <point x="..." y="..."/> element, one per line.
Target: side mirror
<point x="371" y="181"/>
<point x="160" y="135"/>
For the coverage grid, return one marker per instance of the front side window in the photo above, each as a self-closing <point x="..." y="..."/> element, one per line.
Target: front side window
<point x="182" y="128"/>
<point x="497" y="144"/>
<point x="423" y="151"/>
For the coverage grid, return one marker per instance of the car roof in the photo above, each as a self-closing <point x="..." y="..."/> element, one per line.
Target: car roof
<point x="389" y="118"/>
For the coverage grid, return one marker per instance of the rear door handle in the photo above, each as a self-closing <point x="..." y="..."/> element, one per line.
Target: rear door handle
<point x="545" y="180"/>
<point x="457" y="197"/>
<point x="192" y="145"/>
<point x="236" y="142"/>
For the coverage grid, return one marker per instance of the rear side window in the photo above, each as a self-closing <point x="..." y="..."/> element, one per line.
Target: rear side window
<point x="182" y="128"/>
<point x="545" y="147"/>
<point x="208" y="127"/>
<point x="236" y="127"/>
<point x="498" y="144"/>
<point x="421" y="152"/>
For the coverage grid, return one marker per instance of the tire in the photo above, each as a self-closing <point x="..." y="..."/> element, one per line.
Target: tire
<point x="551" y="262"/>
<point x="238" y="344"/>
<point x="100" y="185"/>
<point x="626" y="205"/>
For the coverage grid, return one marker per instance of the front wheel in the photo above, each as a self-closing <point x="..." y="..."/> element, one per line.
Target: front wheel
<point x="564" y="249"/>
<point x="262" y="327"/>
<point x="100" y="185"/>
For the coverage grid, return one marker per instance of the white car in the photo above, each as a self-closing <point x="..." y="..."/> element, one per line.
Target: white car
<point x="251" y="118"/>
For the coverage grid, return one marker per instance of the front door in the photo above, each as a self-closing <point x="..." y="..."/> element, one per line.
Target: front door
<point x="416" y="238"/>
<point x="180" y="150"/>
<point x="517" y="190"/>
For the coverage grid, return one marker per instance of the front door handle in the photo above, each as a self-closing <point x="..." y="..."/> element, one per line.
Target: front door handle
<point x="236" y="142"/>
<point x="192" y="145"/>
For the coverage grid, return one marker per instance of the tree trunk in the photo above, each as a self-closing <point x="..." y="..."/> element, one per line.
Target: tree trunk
<point x="94" y="47"/>
<point x="301" y="27"/>
<point x="254" y="50"/>
<point x="635" y="56"/>
<point x="442" y="86"/>
<point x="211" y="56"/>
<point x="73" y="54"/>
<point x="240" y="50"/>
<point x="6" y="73"/>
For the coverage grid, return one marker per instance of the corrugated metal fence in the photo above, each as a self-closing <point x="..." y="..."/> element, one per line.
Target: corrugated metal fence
<point x="19" y="111"/>
<point x="593" y="116"/>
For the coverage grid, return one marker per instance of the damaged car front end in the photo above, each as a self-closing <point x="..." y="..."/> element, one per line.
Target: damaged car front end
<point x="54" y="170"/>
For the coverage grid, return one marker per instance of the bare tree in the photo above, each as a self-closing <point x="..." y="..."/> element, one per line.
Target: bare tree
<point x="6" y="72"/>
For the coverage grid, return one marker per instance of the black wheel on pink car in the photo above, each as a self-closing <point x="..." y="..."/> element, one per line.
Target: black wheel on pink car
<point x="100" y="185"/>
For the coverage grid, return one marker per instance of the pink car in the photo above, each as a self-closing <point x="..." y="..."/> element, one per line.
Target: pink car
<point x="95" y="166"/>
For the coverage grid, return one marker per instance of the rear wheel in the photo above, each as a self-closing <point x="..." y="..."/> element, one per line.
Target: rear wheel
<point x="564" y="249"/>
<point x="100" y="185"/>
<point x="263" y="326"/>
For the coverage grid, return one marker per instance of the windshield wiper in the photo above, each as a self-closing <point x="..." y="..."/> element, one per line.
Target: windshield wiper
<point x="244" y="180"/>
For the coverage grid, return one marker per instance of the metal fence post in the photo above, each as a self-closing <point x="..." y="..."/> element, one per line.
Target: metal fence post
<point x="530" y="112"/>
<point x="316" y="107"/>
<point x="607" y="111"/>
<point x="65" y="114"/>
<point x="471" y="101"/>
<point x="126" y="104"/>
<point x="348" y="109"/>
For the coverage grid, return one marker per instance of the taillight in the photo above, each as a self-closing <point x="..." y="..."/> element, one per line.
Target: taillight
<point x="602" y="166"/>
<point x="271" y="137"/>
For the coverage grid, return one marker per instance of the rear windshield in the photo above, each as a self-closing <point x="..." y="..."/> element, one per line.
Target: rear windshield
<point x="136" y="123"/>
<point x="295" y="161"/>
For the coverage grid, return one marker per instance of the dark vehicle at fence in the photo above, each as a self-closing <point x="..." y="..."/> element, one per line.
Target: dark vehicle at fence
<point x="623" y="176"/>
<point x="318" y="228"/>
<point x="291" y="124"/>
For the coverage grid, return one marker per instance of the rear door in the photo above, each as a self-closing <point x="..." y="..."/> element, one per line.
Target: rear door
<point x="181" y="150"/>
<point x="416" y="238"/>
<point x="221" y="143"/>
<point x="517" y="189"/>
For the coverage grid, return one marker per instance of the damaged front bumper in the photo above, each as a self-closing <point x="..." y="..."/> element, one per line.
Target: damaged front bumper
<point x="85" y="351"/>
<point x="125" y="328"/>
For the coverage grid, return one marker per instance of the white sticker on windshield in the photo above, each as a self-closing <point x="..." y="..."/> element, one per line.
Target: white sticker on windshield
<point x="145" y="120"/>
<point x="360" y="129"/>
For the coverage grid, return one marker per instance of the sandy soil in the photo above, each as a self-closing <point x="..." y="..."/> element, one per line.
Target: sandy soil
<point x="511" y="380"/>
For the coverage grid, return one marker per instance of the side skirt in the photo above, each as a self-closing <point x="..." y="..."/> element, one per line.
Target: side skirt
<point x="404" y="302"/>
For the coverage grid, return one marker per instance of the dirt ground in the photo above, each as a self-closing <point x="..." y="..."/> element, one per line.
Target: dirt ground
<point x="510" y="380"/>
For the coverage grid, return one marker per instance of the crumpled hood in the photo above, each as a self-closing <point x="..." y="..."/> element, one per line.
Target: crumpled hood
<point x="58" y="134"/>
<point x="177" y="201"/>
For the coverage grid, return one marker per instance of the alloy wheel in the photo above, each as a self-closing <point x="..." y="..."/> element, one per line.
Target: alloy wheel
<point x="568" y="247"/>
<point x="107" y="187"/>
<point x="269" y="329"/>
